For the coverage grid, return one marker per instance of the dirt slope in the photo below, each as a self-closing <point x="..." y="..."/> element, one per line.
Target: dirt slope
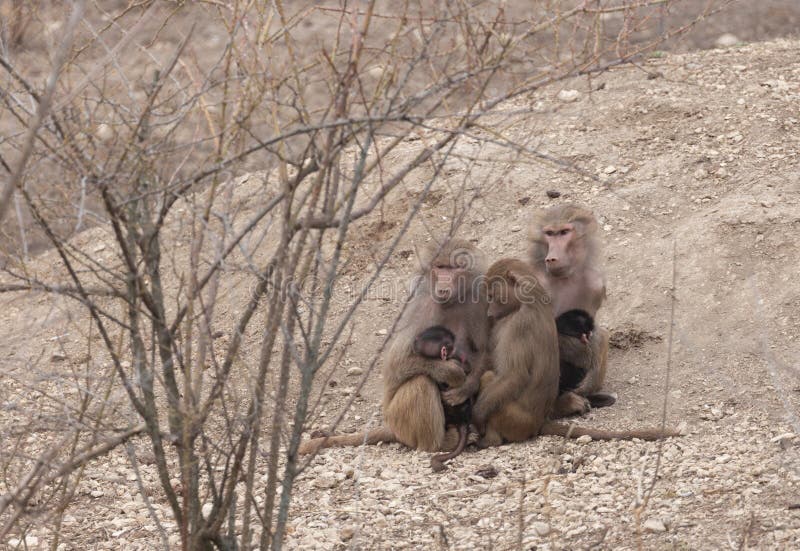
<point x="705" y="155"/>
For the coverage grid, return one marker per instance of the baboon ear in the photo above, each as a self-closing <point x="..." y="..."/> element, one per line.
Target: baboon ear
<point x="512" y="276"/>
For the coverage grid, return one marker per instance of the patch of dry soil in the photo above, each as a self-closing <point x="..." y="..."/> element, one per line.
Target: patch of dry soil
<point x="704" y="157"/>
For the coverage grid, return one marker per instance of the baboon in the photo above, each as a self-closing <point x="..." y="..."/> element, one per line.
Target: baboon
<point x="576" y="323"/>
<point x="517" y="397"/>
<point x="574" y="328"/>
<point x="439" y="342"/>
<point x="576" y="358"/>
<point x="447" y="294"/>
<point x="564" y="253"/>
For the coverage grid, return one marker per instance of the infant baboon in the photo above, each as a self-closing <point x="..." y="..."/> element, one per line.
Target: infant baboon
<point x="576" y="357"/>
<point x="439" y="342"/>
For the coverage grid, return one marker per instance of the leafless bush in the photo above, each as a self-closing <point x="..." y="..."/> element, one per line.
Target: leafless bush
<point x="144" y="131"/>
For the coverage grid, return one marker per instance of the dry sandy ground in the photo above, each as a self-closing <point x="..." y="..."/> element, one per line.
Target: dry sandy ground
<point x="704" y="156"/>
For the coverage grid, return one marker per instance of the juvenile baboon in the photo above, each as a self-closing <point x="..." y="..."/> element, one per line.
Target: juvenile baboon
<point x="517" y="397"/>
<point x="439" y="342"/>
<point x="446" y="294"/>
<point x="564" y="253"/>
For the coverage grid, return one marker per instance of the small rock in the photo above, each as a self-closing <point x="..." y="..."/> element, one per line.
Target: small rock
<point x="354" y="371"/>
<point x="525" y="200"/>
<point x="487" y="471"/>
<point x="654" y="525"/>
<point x="585" y="439"/>
<point x="610" y="169"/>
<point x="568" y="96"/>
<point x="104" y="132"/>
<point x="700" y="173"/>
<point x="726" y="40"/>
<point x="347" y="533"/>
<point x="388" y="474"/>
<point x="553" y="194"/>
<point x="207" y="508"/>
<point x="515" y="228"/>
<point x="381" y="332"/>
<point x="325" y="482"/>
<point x="541" y="528"/>
<point x="97" y="493"/>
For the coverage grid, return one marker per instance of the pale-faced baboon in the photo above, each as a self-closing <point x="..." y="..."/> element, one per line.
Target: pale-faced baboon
<point x="564" y="253"/>
<point x="447" y="294"/>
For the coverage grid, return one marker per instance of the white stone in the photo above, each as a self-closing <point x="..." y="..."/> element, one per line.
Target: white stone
<point x="654" y="525"/>
<point x="727" y="40"/>
<point x="569" y="96"/>
<point x="541" y="528"/>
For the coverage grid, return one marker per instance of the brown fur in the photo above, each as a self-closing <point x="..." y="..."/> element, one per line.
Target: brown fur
<point x="439" y="342"/>
<point x="412" y="403"/>
<point x="568" y="268"/>
<point x="517" y="398"/>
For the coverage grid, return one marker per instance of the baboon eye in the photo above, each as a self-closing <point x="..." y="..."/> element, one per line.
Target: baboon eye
<point x="564" y="232"/>
<point x="549" y="233"/>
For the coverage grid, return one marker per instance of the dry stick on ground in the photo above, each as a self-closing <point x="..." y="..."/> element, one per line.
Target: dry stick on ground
<point x="640" y="510"/>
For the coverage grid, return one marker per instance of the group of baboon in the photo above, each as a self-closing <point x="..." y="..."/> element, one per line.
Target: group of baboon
<point x="503" y="350"/>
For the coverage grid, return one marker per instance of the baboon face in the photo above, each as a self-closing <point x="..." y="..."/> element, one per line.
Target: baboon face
<point x="438" y="343"/>
<point x="563" y="248"/>
<point x="502" y="298"/>
<point x="448" y="284"/>
<point x="452" y="272"/>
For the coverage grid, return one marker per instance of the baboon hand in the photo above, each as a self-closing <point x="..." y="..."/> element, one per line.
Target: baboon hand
<point x="461" y="394"/>
<point x="448" y="372"/>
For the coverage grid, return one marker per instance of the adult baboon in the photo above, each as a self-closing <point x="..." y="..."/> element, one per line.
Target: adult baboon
<point x="564" y="253"/>
<point x="447" y="294"/>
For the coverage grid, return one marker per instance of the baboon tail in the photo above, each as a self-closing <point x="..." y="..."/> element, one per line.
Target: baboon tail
<point x="381" y="434"/>
<point x="437" y="461"/>
<point x="571" y="431"/>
